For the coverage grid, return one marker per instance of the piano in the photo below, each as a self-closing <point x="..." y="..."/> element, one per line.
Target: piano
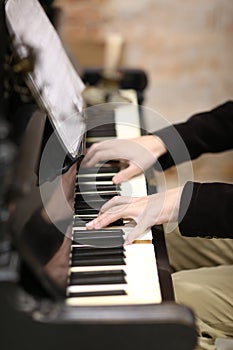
<point x="61" y="285"/>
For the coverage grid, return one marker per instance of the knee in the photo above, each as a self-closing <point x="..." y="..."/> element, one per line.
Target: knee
<point x="191" y="292"/>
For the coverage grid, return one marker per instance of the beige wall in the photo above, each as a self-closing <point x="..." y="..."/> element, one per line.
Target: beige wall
<point x="186" y="47"/>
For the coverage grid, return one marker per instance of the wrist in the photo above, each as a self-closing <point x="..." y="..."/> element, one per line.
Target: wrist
<point x="171" y="205"/>
<point x="158" y="147"/>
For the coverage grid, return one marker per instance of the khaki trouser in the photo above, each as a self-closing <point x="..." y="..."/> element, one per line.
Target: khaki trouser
<point x="203" y="280"/>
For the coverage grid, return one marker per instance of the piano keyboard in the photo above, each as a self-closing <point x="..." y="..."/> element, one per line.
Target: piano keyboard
<point x="102" y="270"/>
<point x="138" y="285"/>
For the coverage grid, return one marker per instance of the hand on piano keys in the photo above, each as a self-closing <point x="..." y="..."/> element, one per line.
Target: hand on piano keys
<point x="141" y="153"/>
<point x="146" y="211"/>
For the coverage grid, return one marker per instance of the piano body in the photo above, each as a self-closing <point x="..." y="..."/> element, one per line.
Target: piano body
<point x="62" y="286"/>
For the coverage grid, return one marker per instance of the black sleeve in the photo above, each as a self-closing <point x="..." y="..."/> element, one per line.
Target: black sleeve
<point x="206" y="210"/>
<point x="204" y="132"/>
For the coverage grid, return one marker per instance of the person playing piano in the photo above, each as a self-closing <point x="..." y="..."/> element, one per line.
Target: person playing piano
<point x="203" y="268"/>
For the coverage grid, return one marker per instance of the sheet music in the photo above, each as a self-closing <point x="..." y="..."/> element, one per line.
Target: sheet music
<point x="53" y="80"/>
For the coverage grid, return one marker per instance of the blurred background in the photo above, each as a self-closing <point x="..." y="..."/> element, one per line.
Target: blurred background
<point x="184" y="46"/>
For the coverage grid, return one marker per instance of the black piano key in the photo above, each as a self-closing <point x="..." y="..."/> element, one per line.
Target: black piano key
<point x="99" y="238"/>
<point x="94" y="204"/>
<point x="94" y="178"/>
<point x="102" y="293"/>
<point x="101" y="242"/>
<point x="100" y="122"/>
<point x="101" y="170"/>
<point x="99" y="233"/>
<point x="86" y="251"/>
<point x="102" y="113"/>
<point x="82" y="221"/>
<point x="95" y="188"/>
<point x="98" y="261"/>
<point x="86" y="211"/>
<point x="106" y="255"/>
<point x="94" y="196"/>
<point x="93" y="257"/>
<point x="79" y="223"/>
<point x="107" y="130"/>
<point x="97" y="277"/>
<point x="86" y="218"/>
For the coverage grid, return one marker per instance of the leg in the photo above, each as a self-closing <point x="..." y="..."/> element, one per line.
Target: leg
<point x="209" y="293"/>
<point x="194" y="252"/>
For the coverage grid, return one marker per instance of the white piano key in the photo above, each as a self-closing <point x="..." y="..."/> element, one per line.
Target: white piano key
<point x="96" y="175"/>
<point x="96" y="183"/>
<point x="135" y="187"/>
<point x="127" y="117"/>
<point x="113" y="192"/>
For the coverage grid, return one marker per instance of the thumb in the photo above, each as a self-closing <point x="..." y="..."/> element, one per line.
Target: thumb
<point x="126" y="174"/>
<point x="135" y="233"/>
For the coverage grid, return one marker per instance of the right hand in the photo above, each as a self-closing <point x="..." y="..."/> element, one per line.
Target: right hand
<point x="146" y="211"/>
<point x="141" y="153"/>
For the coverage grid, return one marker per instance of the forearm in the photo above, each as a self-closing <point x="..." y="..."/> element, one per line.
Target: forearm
<point x="204" y="132"/>
<point x="206" y="210"/>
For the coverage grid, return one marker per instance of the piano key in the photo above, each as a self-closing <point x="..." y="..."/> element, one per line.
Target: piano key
<point x="87" y="216"/>
<point x="82" y="216"/>
<point x="99" y="238"/>
<point x="97" y="181"/>
<point x="100" y="115"/>
<point x="94" y="204"/>
<point x="99" y="131"/>
<point x="86" y="211"/>
<point x="98" y="253"/>
<point x="142" y="285"/>
<point x="97" y="268"/>
<point x="92" y="196"/>
<point x="102" y="293"/>
<point x="97" y="277"/>
<point x="95" y="177"/>
<point x="84" y="250"/>
<point x="101" y="170"/>
<point x="98" y="261"/>
<point x="100" y="233"/>
<point x="94" y="139"/>
<point x="96" y="288"/>
<point x="81" y="222"/>
<point x="98" y="189"/>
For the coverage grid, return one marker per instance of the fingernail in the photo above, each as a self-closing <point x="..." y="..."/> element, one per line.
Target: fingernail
<point x="115" y="180"/>
<point x="126" y="242"/>
<point x="89" y="225"/>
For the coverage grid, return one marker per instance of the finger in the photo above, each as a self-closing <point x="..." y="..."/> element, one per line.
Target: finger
<point x="126" y="174"/>
<point x="102" y="220"/>
<point x="91" y="160"/>
<point x="93" y="150"/>
<point x="101" y="155"/>
<point x="90" y="152"/>
<point x="116" y="201"/>
<point x="135" y="233"/>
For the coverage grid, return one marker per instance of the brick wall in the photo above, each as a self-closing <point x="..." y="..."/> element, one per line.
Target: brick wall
<point x="185" y="46"/>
